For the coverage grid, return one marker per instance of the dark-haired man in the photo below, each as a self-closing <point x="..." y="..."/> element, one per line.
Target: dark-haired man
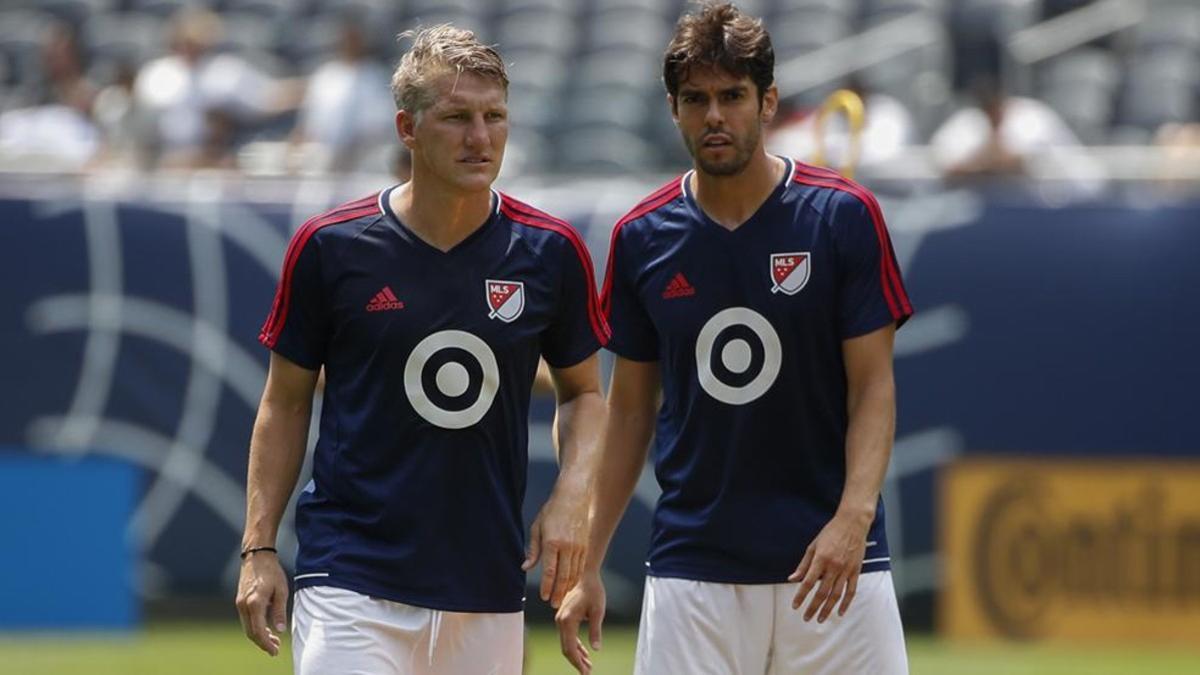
<point x="761" y="296"/>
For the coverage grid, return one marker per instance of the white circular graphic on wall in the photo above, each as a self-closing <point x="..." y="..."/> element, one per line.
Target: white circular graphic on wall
<point x="451" y="379"/>
<point x="738" y="355"/>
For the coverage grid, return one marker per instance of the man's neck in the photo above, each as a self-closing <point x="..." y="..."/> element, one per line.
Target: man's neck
<point x="731" y="200"/>
<point x="441" y="217"/>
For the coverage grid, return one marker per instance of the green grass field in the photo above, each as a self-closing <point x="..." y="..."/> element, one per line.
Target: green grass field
<point x="220" y="649"/>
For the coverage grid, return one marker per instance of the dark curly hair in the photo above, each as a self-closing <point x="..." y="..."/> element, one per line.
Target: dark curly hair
<point x="720" y="36"/>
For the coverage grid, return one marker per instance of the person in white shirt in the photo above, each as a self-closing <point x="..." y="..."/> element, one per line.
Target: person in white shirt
<point x="344" y="115"/>
<point x="1009" y="136"/>
<point x="182" y="89"/>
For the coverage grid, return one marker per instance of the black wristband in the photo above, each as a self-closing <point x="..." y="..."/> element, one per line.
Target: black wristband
<point x="245" y="554"/>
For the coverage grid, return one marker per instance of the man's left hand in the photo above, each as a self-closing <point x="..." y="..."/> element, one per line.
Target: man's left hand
<point x="559" y="537"/>
<point x="831" y="565"/>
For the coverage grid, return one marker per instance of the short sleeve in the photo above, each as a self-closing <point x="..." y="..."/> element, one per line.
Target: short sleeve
<point x="632" y="333"/>
<point x="298" y="326"/>
<point x="577" y="330"/>
<point x="871" y="293"/>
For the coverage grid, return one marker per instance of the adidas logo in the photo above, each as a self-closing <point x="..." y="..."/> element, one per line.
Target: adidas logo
<point x="384" y="300"/>
<point x="678" y="288"/>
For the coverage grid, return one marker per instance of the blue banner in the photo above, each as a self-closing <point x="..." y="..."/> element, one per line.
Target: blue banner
<point x="131" y="324"/>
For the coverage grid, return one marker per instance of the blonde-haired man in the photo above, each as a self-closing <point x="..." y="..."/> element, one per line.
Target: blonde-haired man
<point x="428" y="305"/>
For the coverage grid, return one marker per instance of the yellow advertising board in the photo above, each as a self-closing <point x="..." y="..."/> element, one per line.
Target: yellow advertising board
<point x="1072" y="550"/>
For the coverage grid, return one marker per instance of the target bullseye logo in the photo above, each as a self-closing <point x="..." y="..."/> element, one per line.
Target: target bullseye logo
<point x="451" y="379"/>
<point x="738" y="355"/>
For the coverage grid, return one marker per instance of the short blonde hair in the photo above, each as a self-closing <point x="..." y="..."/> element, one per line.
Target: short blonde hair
<point x="438" y="50"/>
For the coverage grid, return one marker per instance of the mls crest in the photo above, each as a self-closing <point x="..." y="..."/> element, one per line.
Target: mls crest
<point x="506" y="299"/>
<point x="790" y="272"/>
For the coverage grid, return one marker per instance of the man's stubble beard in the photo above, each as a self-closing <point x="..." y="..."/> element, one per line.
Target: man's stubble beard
<point x="743" y="151"/>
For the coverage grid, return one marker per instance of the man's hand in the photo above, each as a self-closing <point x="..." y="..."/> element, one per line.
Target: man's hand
<point x="262" y="600"/>
<point x="584" y="602"/>
<point x="559" y="537"/>
<point x="833" y="560"/>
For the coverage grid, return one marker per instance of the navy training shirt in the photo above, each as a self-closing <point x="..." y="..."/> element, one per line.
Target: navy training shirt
<point x="429" y="356"/>
<point x="747" y="326"/>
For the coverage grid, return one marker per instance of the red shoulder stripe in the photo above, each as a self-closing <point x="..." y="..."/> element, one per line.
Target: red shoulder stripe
<point x="656" y="200"/>
<point x="889" y="274"/>
<point x="523" y="213"/>
<point x="531" y="211"/>
<point x="293" y="253"/>
<point x="283" y="294"/>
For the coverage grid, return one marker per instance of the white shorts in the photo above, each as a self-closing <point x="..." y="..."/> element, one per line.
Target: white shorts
<point x="340" y="632"/>
<point x="705" y="628"/>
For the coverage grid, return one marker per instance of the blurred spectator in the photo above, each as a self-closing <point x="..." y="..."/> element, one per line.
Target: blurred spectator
<point x="995" y="135"/>
<point x="1009" y="136"/>
<point x="348" y="110"/>
<point x="55" y="130"/>
<point x="118" y="120"/>
<point x="217" y="149"/>
<point x="63" y="66"/>
<point x="887" y="130"/>
<point x="1180" y="144"/>
<point x="195" y="93"/>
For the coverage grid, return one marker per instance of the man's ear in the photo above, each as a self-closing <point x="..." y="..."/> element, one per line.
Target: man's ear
<point x="406" y="123"/>
<point x="770" y="104"/>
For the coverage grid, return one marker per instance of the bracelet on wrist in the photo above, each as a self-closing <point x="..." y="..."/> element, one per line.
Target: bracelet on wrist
<point x="257" y="549"/>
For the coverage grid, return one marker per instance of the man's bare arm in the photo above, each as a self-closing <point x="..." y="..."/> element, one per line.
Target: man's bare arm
<point x="276" y="455"/>
<point x="559" y="534"/>
<point x="833" y="561"/>
<point x="633" y="400"/>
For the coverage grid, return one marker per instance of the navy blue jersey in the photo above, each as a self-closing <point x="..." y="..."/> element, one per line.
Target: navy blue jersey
<point x="429" y="357"/>
<point x="747" y="326"/>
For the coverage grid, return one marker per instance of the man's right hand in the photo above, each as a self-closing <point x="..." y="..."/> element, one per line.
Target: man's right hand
<point x="262" y="600"/>
<point x="583" y="603"/>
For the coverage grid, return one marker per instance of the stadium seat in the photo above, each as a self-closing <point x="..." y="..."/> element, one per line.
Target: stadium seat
<point x="1159" y="89"/>
<point x="1168" y="28"/>
<point x="1097" y="67"/>
<point x="270" y="9"/>
<point x="310" y="42"/>
<point x="995" y="19"/>
<point x="533" y="107"/>
<point x="246" y="32"/>
<point x="849" y="9"/>
<point x="875" y="10"/>
<point x="1081" y="86"/>
<point x="664" y="8"/>
<point x="536" y="68"/>
<point x="423" y="7"/>
<point x="1086" y="109"/>
<point x="381" y="20"/>
<point x="507" y="6"/>
<point x="612" y="105"/>
<point x="604" y="149"/>
<point x="801" y="31"/>
<point x="527" y="152"/>
<point x="549" y="31"/>
<point x="628" y="29"/>
<point x="1053" y="8"/>
<point x="77" y="12"/>
<point x="125" y="38"/>
<point x="21" y="35"/>
<point x="634" y="68"/>
<point x="165" y="8"/>
<point x="377" y="11"/>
